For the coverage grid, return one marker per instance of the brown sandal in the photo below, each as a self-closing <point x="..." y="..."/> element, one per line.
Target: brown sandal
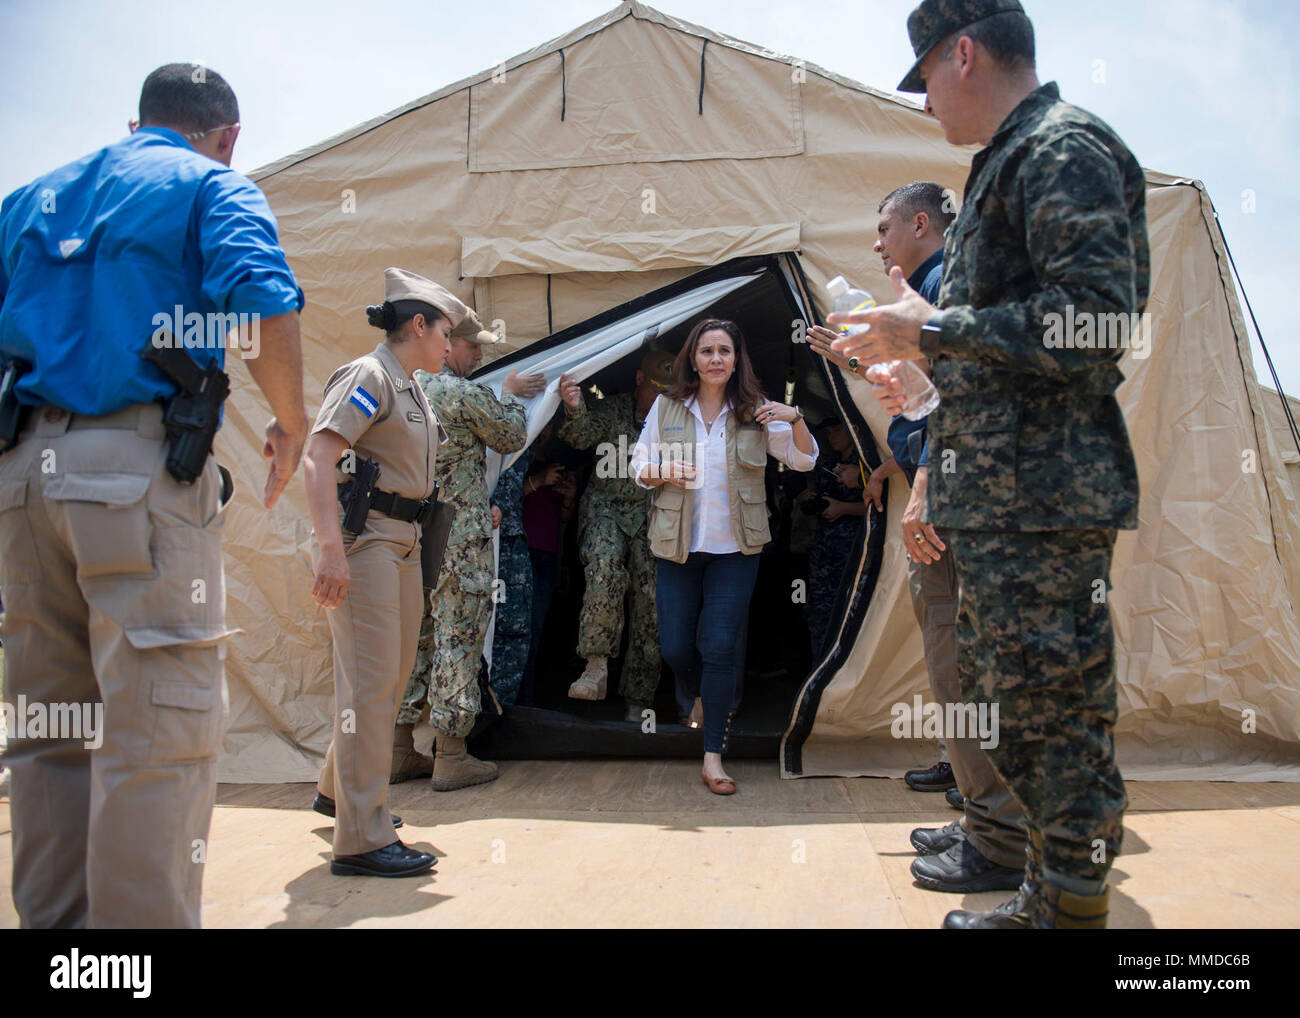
<point x="719" y="786"/>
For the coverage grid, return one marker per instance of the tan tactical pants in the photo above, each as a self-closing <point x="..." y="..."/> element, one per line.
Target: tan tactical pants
<point x="375" y="631"/>
<point x="994" y="822"/>
<point x="114" y="594"/>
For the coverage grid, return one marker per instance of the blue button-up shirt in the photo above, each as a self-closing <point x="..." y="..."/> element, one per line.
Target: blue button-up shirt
<point x="143" y="237"/>
<point x="914" y="454"/>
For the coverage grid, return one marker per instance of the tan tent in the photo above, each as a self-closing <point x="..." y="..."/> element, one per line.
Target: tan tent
<point x="642" y="159"/>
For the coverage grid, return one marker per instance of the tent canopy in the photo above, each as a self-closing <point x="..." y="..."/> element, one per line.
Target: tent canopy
<point x="638" y="150"/>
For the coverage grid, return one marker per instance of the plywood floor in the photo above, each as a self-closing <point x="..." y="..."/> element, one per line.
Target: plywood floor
<point x="642" y="843"/>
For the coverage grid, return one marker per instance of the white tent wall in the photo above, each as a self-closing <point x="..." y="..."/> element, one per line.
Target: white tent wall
<point x="556" y="245"/>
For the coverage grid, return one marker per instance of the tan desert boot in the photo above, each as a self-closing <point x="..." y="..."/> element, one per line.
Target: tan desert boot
<point x="407" y="763"/>
<point x="454" y="768"/>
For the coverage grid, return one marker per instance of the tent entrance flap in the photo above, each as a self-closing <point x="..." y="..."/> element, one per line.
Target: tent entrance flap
<point x="640" y="251"/>
<point x="764" y="296"/>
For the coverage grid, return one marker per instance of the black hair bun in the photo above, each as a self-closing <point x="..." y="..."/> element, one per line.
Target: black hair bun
<point x="382" y="316"/>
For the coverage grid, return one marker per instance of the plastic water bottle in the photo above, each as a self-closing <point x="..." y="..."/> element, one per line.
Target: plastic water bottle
<point x="920" y="397"/>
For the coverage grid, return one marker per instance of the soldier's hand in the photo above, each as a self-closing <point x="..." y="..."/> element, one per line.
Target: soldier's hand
<point x="849" y="475"/>
<point x="332" y="578"/>
<point x="570" y="392"/>
<point x="923" y="545"/>
<point x="552" y="474"/>
<point x="895" y="329"/>
<point x="833" y="511"/>
<point x="496" y="516"/>
<point x="284" y="450"/>
<point x="820" y="339"/>
<point x="523" y="386"/>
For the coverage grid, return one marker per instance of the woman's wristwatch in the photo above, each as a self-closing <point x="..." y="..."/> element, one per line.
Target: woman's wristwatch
<point x="798" y="415"/>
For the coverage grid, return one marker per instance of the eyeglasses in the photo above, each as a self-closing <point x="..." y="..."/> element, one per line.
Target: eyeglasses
<point x="211" y="130"/>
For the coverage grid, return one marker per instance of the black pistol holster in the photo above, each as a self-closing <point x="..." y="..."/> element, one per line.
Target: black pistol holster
<point x="433" y="539"/>
<point x="192" y="415"/>
<point x="357" y="493"/>
<point x="12" y="412"/>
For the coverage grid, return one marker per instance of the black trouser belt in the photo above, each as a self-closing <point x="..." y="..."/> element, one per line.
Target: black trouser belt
<point x="408" y="510"/>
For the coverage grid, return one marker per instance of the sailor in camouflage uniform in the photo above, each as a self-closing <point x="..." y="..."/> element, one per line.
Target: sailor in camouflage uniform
<point x="513" y="628"/>
<point x="1030" y="464"/>
<point x="613" y="542"/>
<point x="474" y="420"/>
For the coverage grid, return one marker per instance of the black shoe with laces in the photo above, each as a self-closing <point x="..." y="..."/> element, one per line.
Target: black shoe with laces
<point x="395" y="860"/>
<point x="934" y="779"/>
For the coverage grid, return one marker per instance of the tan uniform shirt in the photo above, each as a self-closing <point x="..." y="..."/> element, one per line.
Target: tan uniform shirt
<point x="385" y="417"/>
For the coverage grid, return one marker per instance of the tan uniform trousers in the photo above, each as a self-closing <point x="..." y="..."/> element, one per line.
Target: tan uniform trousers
<point x="375" y="632"/>
<point x="993" y="823"/>
<point x="114" y="595"/>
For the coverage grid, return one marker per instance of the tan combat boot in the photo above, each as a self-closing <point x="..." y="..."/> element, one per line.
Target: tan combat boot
<point x="454" y="768"/>
<point x="407" y="763"/>
<point x="590" y="685"/>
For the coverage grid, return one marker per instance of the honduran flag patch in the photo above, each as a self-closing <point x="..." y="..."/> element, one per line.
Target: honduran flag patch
<point x="365" y="401"/>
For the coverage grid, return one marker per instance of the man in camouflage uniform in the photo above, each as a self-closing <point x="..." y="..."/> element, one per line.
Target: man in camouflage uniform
<point x="613" y="541"/>
<point x="447" y="663"/>
<point x="1031" y="468"/>
<point x="514" y="609"/>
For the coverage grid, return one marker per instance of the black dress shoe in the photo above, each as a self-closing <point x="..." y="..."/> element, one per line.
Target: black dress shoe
<point x="1010" y="915"/>
<point x="934" y="779"/>
<point x="395" y="860"/>
<point x="955" y="799"/>
<point x="325" y="806"/>
<point x="933" y="840"/>
<point x="962" y="869"/>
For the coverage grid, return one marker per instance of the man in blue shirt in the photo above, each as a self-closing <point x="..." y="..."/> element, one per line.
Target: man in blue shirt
<point x="110" y="565"/>
<point x="984" y="850"/>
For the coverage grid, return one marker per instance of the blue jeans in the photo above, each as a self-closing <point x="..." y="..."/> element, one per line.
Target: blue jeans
<point x="703" y="608"/>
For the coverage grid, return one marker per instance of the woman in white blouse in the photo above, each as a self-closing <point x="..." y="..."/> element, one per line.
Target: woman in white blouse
<point x="704" y="448"/>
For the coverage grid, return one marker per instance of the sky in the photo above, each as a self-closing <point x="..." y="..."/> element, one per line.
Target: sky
<point x="1197" y="88"/>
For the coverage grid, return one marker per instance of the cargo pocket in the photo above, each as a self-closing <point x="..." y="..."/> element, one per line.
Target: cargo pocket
<point x="666" y="520"/>
<point x="20" y="563"/>
<point x="188" y="715"/>
<point x="753" y="514"/>
<point x="974" y="447"/>
<point x="107" y="521"/>
<point x="751" y="446"/>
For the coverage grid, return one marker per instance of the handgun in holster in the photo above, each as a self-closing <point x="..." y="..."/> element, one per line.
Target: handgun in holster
<point x="355" y="493"/>
<point x="12" y="412"/>
<point x="191" y="416"/>
<point x="435" y="529"/>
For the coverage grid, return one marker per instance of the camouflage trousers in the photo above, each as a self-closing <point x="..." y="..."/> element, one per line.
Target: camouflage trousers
<point x="448" y="659"/>
<point x="514" y="618"/>
<point x="1034" y="636"/>
<point x="611" y="562"/>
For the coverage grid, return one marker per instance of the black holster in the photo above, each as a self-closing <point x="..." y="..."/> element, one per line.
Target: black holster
<point x="433" y="539"/>
<point x="356" y="493"/>
<point x="190" y="417"/>
<point x="12" y="413"/>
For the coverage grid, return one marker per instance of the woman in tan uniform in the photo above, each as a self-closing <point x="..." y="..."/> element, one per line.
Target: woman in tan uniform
<point x="374" y="411"/>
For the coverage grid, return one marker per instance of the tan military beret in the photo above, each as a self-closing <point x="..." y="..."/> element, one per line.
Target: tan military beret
<point x="472" y="329"/>
<point x="402" y="285"/>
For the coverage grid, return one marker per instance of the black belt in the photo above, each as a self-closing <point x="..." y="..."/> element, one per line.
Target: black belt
<point x="408" y="510"/>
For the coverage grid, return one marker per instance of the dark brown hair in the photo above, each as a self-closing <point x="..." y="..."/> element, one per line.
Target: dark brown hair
<point x="392" y="315"/>
<point x="744" y="392"/>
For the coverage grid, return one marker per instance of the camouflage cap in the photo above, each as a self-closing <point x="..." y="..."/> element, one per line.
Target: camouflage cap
<point x="471" y="328"/>
<point x="935" y="20"/>
<point x="658" y="368"/>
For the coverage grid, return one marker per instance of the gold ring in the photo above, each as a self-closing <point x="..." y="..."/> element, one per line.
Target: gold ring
<point x="920" y="538"/>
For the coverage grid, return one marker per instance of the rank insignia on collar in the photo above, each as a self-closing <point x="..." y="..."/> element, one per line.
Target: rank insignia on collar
<point x="415" y="416"/>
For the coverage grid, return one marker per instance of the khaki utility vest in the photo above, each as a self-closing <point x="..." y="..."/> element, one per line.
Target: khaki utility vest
<point x="670" y="514"/>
